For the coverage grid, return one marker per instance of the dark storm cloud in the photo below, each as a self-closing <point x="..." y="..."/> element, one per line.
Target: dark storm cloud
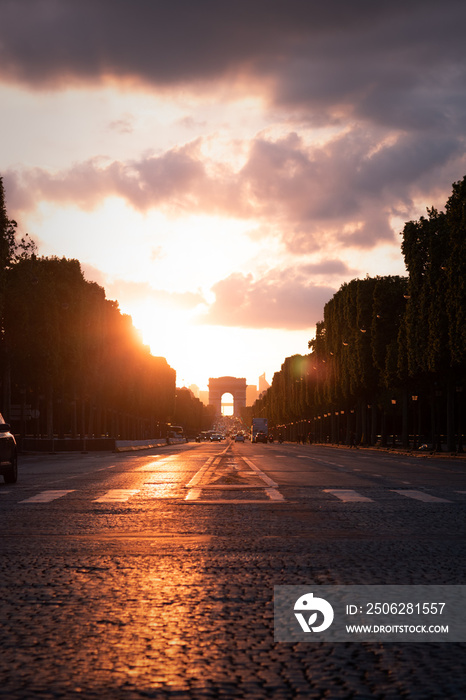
<point x="400" y="63"/>
<point x="156" y="41"/>
<point x="281" y="299"/>
<point x="341" y="193"/>
<point x="390" y="76"/>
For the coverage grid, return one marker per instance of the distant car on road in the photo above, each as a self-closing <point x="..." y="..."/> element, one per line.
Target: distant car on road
<point x="216" y="438"/>
<point x="261" y="437"/>
<point x="239" y="438"/>
<point x="8" y="454"/>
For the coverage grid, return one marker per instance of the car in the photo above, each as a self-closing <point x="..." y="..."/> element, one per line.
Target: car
<point x="261" y="437"/>
<point x="8" y="453"/>
<point x="215" y="438"/>
<point x="239" y="438"/>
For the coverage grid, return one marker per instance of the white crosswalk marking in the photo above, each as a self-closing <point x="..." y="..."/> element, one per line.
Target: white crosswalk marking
<point x="47" y="496"/>
<point x="204" y="482"/>
<point x="201" y="475"/>
<point x="420" y="496"/>
<point x="261" y="474"/>
<point x="196" y="491"/>
<point x="274" y="494"/>
<point x="193" y="494"/>
<point x="116" y="496"/>
<point x="348" y="495"/>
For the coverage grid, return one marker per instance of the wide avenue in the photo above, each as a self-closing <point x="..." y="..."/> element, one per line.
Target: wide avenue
<point x="151" y="574"/>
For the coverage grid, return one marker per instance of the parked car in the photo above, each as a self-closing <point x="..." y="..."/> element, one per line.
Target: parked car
<point x="8" y="453"/>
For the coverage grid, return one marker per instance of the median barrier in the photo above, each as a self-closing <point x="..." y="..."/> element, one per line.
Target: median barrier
<point x="131" y="445"/>
<point x="90" y="444"/>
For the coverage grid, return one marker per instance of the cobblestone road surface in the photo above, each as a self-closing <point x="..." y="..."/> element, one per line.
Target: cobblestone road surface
<point x="157" y="596"/>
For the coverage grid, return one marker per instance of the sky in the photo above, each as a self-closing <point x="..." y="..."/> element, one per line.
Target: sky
<point x="221" y="169"/>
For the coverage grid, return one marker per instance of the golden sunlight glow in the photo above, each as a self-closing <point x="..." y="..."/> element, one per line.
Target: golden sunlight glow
<point x="227" y="405"/>
<point x="198" y="352"/>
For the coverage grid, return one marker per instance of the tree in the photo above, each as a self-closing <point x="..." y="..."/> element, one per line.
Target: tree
<point x="71" y="346"/>
<point x="435" y="255"/>
<point x="455" y="269"/>
<point x="11" y="250"/>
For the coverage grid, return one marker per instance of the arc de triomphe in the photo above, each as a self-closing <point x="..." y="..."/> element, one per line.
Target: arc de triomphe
<point x="227" y="385"/>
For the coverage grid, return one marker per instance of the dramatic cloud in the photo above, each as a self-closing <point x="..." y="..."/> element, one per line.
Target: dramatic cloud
<point x="177" y="179"/>
<point x="399" y="64"/>
<point x="178" y="127"/>
<point x="281" y="299"/>
<point x="343" y="192"/>
<point x="389" y="77"/>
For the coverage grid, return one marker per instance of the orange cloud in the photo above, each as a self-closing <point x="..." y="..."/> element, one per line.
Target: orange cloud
<point x="281" y="299"/>
<point x="343" y="192"/>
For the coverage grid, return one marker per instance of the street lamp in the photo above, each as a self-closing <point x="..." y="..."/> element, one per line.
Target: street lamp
<point x="414" y="399"/>
<point x="459" y="392"/>
<point x="393" y="420"/>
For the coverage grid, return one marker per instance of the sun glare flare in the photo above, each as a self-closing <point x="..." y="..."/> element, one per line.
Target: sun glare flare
<point x="198" y="352"/>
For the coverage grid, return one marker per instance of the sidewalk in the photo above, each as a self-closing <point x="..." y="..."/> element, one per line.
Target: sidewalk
<point x="427" y="454"/>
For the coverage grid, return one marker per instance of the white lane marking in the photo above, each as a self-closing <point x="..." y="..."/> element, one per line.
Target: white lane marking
<point x="420" y="496"/>
<point x="327" y="463"/>
<point x="201" y="473"/>
<point x="193" y="494"/>
<point x="232" y="501"/>
<point x="261" y="474"/>
<point x="47" y="496"/>
<point x="116" y="496"/>
<point x="348" y="495"/>
<point x="229" y="487"/>
<point x="196" y="485"/>
<point x="274" y="494"/>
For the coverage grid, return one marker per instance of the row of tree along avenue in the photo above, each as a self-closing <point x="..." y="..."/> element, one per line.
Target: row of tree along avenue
<point x="388" y="362"/>
<point x="71" y="364"/>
